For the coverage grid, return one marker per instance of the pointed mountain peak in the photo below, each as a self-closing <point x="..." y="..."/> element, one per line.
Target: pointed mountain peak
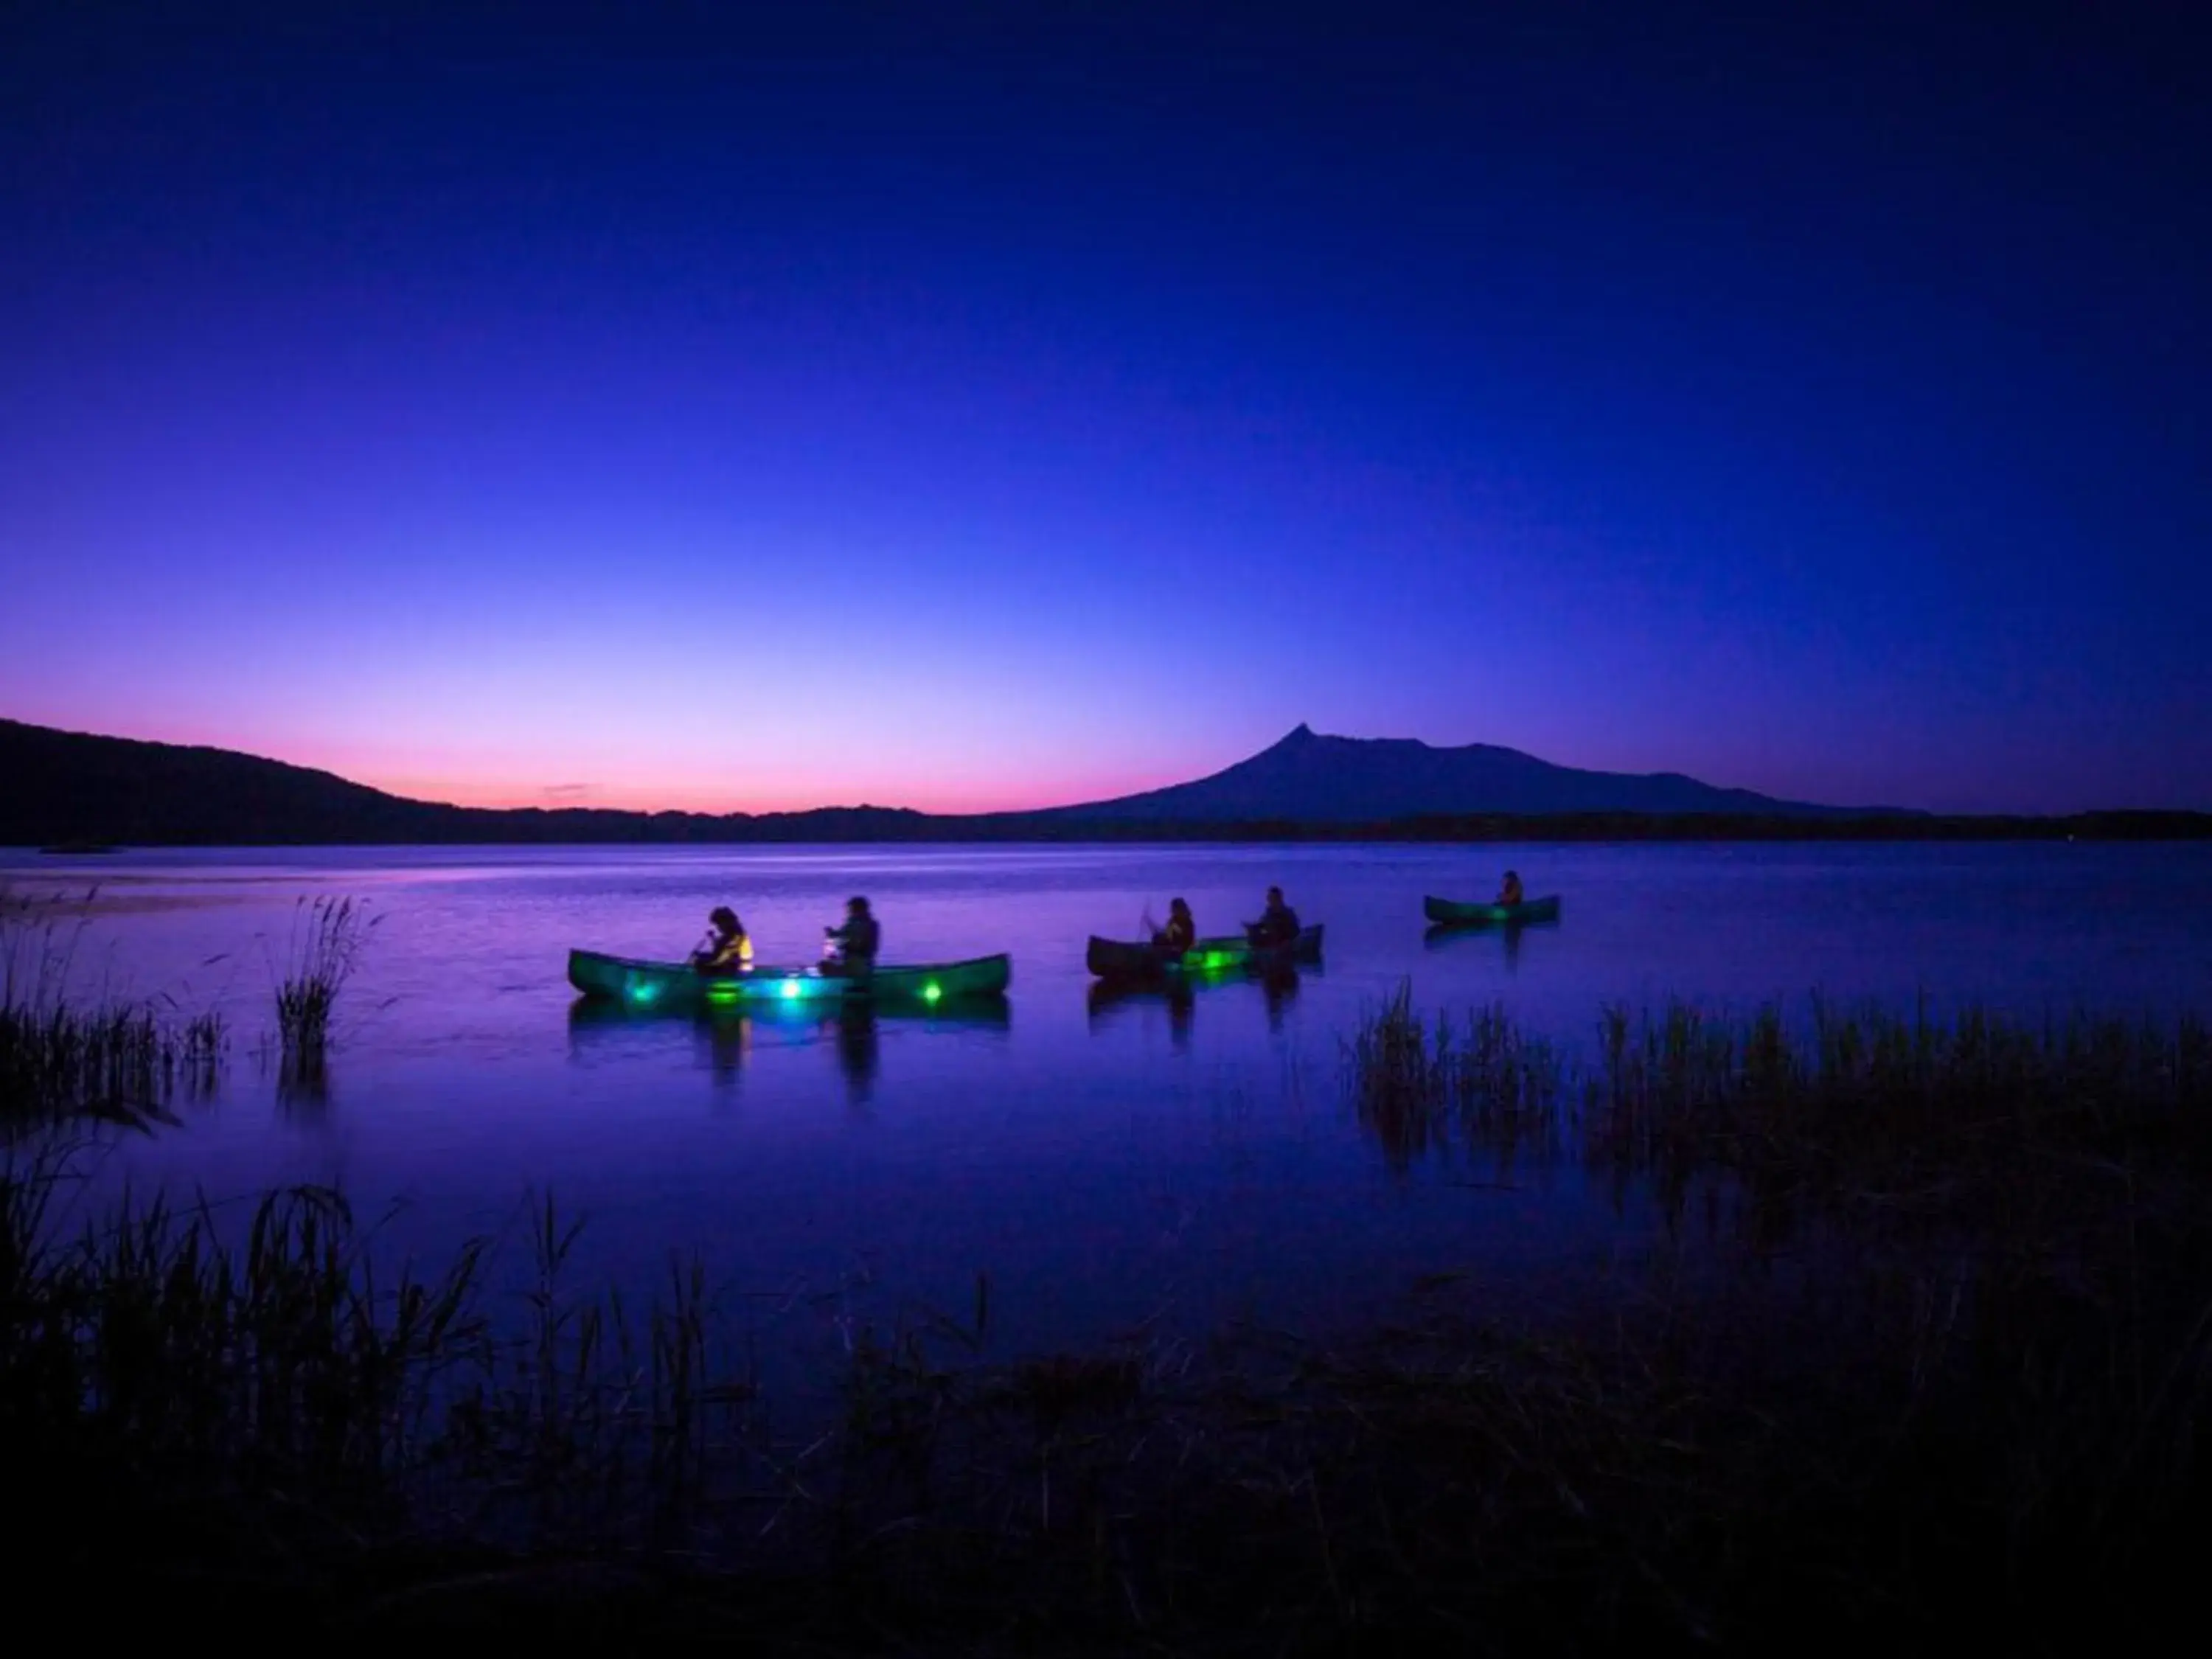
<point x="1304" y="776"/>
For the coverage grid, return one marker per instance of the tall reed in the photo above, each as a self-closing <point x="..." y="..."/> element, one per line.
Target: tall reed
<point x="59" y="1057"/>
<point x="1414" y="1082"/>
<point x="327" y="937"/>
<point x="1864" y="1099"/>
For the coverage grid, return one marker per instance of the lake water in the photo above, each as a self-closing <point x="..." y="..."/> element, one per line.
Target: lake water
<point x="1106" y="1165"/>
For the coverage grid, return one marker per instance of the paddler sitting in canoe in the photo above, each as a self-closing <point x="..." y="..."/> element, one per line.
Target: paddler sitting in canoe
<point x="1179" y="935"/>
<point x="853" y="947"/>
<point x="1278" y="924"/>
<point x="1508" y="891"/>
<point x="727" y="948"/>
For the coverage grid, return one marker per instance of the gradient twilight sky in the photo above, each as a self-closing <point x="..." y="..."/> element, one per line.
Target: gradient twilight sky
<point x="969" y="406"/>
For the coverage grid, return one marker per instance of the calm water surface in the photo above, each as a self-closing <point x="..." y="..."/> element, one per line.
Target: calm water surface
<point x="1107" y="1165"/>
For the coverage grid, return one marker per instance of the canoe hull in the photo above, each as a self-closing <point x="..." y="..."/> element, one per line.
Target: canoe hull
<point x="675" y="984"/>
<point x="1119" y="959"/>
<point x="1456" y="914"/>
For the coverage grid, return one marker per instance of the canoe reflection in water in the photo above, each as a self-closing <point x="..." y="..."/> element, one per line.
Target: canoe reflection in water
<point x="1179" y="995"/>
<point x="1505" y="940"/>
<point x="728" y="1039"/>
<point x="1108" y="999"/>
<point x="859" y="1052"/>
<point x="727" y="1042"/>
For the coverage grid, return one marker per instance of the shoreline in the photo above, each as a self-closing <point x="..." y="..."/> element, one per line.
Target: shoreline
<point x="534" y="831"/>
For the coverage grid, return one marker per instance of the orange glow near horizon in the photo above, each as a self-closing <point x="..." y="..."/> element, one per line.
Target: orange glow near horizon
<point x="504" y="770"/>
<point x="981" y="796"/>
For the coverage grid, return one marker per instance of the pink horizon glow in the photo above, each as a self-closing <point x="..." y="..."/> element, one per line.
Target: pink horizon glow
<point x="550" y="775"/>
<point x="646" y="796"/>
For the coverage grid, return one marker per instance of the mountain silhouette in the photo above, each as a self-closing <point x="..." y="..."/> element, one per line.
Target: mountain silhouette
<point x="1310" y="778"/>
<point x="74" y="791"/>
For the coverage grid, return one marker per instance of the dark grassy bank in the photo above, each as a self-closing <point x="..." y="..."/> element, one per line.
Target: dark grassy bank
<point x="1950" y="1386"/>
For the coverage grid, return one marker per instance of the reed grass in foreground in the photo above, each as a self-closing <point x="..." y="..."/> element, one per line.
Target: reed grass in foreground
<point x="119" y="1061"/>
<point x="1975" y="1439"/>
<point x="361" y="1456"/>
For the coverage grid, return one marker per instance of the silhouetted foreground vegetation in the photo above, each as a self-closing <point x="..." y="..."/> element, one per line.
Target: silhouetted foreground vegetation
<point x="1948" y="1383"/>
<point x="60" y="1061"/>
<point x="327" y="937"/>
<point x="124" y="1061"/>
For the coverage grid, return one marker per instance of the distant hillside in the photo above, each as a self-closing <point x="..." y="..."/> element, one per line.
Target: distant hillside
<point x="70" y="788"/>
<point x="1317" y="779"/>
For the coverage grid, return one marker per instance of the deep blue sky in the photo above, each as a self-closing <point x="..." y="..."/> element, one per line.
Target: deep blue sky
<point x="977" y="405"/>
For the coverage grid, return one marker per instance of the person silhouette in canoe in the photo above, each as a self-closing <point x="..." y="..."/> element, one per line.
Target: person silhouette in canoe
<point x="1179" y="935"/>
<point x="854" y="944"/>
<point x="727" y="948"/>
<point x="1278" y="925"/>
<point x="1508" y="891"/>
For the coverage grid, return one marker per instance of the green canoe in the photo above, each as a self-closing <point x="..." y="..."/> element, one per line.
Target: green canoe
<point x="1476" y="915"/>
<point x="1113" y="958"/>
<point x="649" y="984"/>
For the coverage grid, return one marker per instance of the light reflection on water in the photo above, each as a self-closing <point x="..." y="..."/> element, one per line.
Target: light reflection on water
<point x="1106" y="1158"/>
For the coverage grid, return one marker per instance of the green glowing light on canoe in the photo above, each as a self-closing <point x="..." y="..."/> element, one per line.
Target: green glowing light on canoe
<point x="931" y="991"/>
<point x="641" y="994"/>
